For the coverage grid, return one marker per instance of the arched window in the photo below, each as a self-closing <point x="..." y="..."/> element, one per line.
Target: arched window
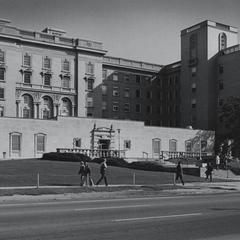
<point x="15" y="144"/>
<point x="47" y="108"/>
<point x="222" y="41"/>
<point x="172" y="145"/>
<point x="27" y="106"/>
<point x="66" y="107"/>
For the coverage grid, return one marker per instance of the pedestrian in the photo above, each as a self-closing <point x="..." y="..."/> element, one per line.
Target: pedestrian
<point x="82" y="174"/>
<point x="179" y="172"/>
<point x="217" y="161"/>
<point x="103" y="169"/>
<point x="87" y="174"/>
<point x="208" y="172"/>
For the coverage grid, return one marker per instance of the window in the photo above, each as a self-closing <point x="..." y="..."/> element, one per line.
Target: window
<point x="138" y="108"/>
<point x="89" y="102"/>
<point x="221" y="85"/>
<point x="203" y="145"/>
<point x="126" y="78"/>
<point x="27" y="60"/>
<point x="66" y="65"/>
<point x="222" y="41"/>
<point x="126" y="107"/>
<point x="127" y="92"/>
<point x="77" y="142"/>
<point x="194" y="71"/>
<point x="172" y="145"/>
<point x="2" y="56"/>
<point x="47" y="63"/>
<point x="16" y="142"/>
<point x="149" y="109"/>
<point x="40" y="142"/>
<point x="115" y="91"/>
<point x="127" y="144"/>
<point x="188" y="146"/>
<point x="47" y="110"/>
<point x="194" y="87"/>
<point x="149" y="94"/>
<point x="156" y="145"/>
<point x="47" y="79"/>
<point x="90" y="83"/>
<point x="193" y="102"/>
<point x="104" y="105"/>
<point x="90" y="68"/>
<point x="1" y="111"/>
<point x="2" y="74"/>
<point x="193" y="46"/>
<point x="115" y="77"/>
<point x="66" y="82"/>
<point x="138" y="93"/>
<point x="104" y="74"/>
<point x="1" y="93"/>
<point x="66" y="107"/>
<point x="220" y="102"/>
<point x="115" y="107"/>
<point x="138" y="79"/>
<point x="27" y="77"/>
<point x="220" y="69"/>
<point x="104" y="89"/>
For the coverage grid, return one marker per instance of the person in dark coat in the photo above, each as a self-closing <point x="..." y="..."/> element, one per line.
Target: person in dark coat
<point x="82" y="174"/>
<point x="103" y="169"/>
<point x="87" y="174"/>
<point x="208" y="172"/>
<point x="179" y="172"/>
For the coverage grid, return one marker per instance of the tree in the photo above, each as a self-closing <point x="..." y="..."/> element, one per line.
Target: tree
<point x="230" y="114"/>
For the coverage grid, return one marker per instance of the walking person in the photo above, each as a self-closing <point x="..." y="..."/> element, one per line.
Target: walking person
<point x="103" y="169"/>
<point x="179" y="172"/>
<point x="208" y="172"/>
<point x="82" y="173"/>
<point x="87" y="174"/>
<point x="217" y="161"/>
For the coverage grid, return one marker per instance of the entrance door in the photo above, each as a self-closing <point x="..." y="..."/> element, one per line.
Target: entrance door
<point x="104" y="145"/>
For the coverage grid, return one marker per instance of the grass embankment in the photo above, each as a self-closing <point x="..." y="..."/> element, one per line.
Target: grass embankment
<point x="56" y="173"/>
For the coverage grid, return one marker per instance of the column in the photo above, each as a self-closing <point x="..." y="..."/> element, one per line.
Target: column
<point x="18" y="108"/>
<point x="73" y="110"/>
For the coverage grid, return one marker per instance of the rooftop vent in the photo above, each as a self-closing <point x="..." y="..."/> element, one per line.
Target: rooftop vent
<point x="54" y="31"/>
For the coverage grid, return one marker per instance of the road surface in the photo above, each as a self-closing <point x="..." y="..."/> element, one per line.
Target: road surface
<point x="175" y="217"/>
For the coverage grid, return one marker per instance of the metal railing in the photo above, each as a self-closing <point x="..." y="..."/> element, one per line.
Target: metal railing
<point x="94" y="152"/>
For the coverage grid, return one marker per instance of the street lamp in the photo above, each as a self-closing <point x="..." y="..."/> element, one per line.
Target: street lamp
<point x="200" y="148"/>
<point x="118" y="130"/>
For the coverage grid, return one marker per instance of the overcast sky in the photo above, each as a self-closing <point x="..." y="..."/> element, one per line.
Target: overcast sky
<point x="144" y="30"/>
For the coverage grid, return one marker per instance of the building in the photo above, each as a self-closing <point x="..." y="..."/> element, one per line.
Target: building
<point x="60" y="92"/>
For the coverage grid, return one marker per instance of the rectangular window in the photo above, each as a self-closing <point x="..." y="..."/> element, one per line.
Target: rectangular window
<point x="1" y="111"/>
<point x="115" y="91"/>
<point x="127" y="92"/>
<point x="138" y="93"/>
<point x="194" y="87"/>
<point x="47" y="63"/>
<point x="172" y="145"/>
<point x="138" y="108"/>
<point x="66" y="82"/>
<point x="126" y="107"/>
<point x="2" y="57"/>
<point x="77" y="142"/>
<point x="27" y="77"/>
<point x="104" y="74"/>
<point x="138" y="79"/>
<point x="1" y="93"/>
<point x="66" y="65"/>
<point x="27" y="60"/>
<point x="90" y="83"/>
<point x="115" y="77"/>
<point x="16" y="142"/>
<point x="47" y="80"/>
<point x="194" y="71"/>
<point x="104" y="89"/>
<point x="188" y="146"/>
<point x="40" y="143"/>
<point x="220" y="85"/>
<point x="156" y="144"/>
<point x="126" y="78"/>
<point x="90" y="68"/>
<point x="149" y="94"/>
<point x="149" y="109"/>
<point x="127" y="144"/>
<point x="2" y="74"/>
<point x="220" y="69"/>
<point x="194" y="103"/>
<point x="115" y="107"/>
<point x="89" y="102"/>
<point x="104" y="105"/>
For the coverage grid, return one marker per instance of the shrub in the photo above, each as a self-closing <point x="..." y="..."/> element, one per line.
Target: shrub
<point x="66" y="157"/>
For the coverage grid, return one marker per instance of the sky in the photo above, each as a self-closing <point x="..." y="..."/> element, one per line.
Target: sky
<point x="143" y="30"/>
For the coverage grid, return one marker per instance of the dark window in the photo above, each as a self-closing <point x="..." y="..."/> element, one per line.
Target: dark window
<point x="47" y="63"/>
<point x="2" y="74"/>
<point x="27" y="77"/>
<point x="66" y="65"/>
<point x="47" y="79"/>
<point x="138" y="93"/>
<point x="2" y="59"/>
<point x="220" y="68"/>
<point x="138" y="108"/>
<point x="1" y="93"/>
<point x="27" y="60"/>
<point x="138" y="79"/>
<point x="220" y="85"/>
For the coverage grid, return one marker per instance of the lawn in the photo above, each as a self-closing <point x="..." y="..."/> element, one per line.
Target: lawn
<point x="24" y="173"/>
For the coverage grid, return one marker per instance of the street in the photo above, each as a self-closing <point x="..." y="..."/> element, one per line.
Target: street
<point x="212" y="217"/>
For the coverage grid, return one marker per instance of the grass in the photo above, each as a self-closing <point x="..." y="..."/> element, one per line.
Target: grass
<point x="56" y="173"/>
